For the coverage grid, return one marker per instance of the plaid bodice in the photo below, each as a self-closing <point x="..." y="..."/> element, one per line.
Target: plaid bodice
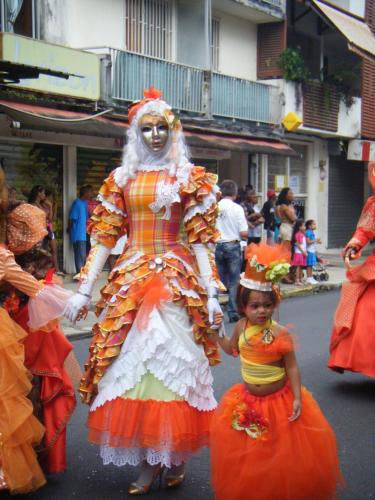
<point x="148" y="231"/>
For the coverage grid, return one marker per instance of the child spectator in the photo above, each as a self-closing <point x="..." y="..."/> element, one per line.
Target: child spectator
<point x="311" y="259"/>
<point x="299" y="249"/>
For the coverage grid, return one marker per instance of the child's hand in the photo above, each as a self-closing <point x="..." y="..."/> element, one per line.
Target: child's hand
<point x="318" y="240"/>
<point x="297" y="408"/>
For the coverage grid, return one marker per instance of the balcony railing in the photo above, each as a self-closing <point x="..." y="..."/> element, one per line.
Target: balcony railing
<point x="242" y="99"/>
<point x="132" y="73"/>
<point x="190" y="89"/>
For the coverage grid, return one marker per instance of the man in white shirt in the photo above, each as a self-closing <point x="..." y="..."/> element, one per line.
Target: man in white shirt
<point x="233" y="227"/>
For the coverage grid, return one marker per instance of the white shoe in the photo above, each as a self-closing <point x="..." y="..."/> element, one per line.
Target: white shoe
<point x="312" y="281"/>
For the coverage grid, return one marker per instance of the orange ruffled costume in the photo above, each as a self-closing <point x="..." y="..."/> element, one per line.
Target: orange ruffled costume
<point x="20" y="431"/>
<point x="46" y="355"/>
<point x="147" y="378"/>
<point x="256" y="452"/>
<point x="353" y="341"/>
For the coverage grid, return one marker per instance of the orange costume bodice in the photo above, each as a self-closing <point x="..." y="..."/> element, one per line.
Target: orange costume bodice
<point x="149" y="232"/>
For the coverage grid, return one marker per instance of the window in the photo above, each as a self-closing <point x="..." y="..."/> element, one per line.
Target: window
<point x="215" y="43"/>
<point x="19" y="17"/>
<point x="148" y="27"/>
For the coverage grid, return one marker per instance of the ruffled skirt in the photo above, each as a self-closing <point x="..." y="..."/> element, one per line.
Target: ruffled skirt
<point x="354" y="350"/>
<point x="256" y="453"/>
<point x="155" y="402"/>
<point x="19" y="429"/>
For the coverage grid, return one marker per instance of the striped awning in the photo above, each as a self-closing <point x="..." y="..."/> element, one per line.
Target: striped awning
<point x="359" y="36"/>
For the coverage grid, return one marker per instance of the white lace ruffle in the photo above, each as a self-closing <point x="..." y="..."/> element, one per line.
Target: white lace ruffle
<point x="109" y="206"/>
<point x="166" y="348"/>
<point x="134" y="456"/>
<point x="202" y="208"/>
<point x="166" y="195"/>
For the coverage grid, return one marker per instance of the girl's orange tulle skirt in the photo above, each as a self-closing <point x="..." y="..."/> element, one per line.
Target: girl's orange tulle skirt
<point x="256" y="453"/>
<point x="20" y="431"/>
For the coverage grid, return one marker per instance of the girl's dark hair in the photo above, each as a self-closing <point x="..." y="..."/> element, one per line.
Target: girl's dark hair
<point x="34" y="193"/>
<point x="296" y="228"/>
<point x="282" y="198"/>
<point x="243" y="296"/>
<point x="309" y="223"/>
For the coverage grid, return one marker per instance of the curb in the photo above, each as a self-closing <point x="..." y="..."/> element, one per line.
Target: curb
<point x="285" y="294"/>
<point x="72" y="336"/>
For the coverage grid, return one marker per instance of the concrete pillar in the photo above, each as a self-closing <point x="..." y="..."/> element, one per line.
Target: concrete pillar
<point x="69" y="195"/>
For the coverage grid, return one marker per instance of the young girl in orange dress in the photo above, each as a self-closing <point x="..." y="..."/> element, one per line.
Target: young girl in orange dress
<point x="20" y="431"/>
<point x="269" y="438"/>
<point x="353" y="341"/>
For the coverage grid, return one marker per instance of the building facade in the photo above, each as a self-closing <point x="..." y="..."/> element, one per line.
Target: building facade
<point x="215" y="60"/>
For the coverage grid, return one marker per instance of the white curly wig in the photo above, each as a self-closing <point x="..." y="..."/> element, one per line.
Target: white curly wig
<point x="136" y="156"/>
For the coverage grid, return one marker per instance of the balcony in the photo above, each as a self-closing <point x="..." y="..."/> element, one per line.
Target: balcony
<point x="190" y="89"/>
<point x="323" y="114"/>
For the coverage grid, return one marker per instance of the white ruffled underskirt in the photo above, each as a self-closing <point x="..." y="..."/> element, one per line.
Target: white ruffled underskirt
<point x="166" y="348"/>
<point x="134" y="456"/>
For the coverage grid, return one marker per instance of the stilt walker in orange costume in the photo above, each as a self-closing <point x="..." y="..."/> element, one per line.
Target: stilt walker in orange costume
<point x="353" y="340"/>
<point x="269" y="439"/>
<point x="20" y="431"/>
<point x="148" y="379"/>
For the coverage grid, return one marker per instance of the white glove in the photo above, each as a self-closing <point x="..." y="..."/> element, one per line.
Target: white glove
<point x="205" y="270"/>
<point x="74" y="305"/>
<point x="99" y="255"/>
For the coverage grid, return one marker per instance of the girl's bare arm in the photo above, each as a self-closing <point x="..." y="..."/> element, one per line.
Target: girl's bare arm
<point x="294" y="376"/>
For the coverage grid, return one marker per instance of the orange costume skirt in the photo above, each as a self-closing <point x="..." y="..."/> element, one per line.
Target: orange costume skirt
<point x="46" y="356"/>
<point x="155" y="402"/>
<point x="353" y="339"/>
<point x="20" y="431"/>
<point x="256" y="453"/>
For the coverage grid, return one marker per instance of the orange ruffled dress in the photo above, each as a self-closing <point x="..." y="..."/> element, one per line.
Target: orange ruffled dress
<point x="20" y="431"/>
<point x="352" y="344"/>
<point x="148" y="378"/>
<point x="46" y="356"/>
<point x="256" y="453"/>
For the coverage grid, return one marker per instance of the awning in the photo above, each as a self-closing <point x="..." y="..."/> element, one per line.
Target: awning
<point x="358" y="34"/>
<point x="59" y="120"/>
<point x="239" y="143"/>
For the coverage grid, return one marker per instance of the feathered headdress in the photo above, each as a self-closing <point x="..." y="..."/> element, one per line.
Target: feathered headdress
<point x="265" y="266"/>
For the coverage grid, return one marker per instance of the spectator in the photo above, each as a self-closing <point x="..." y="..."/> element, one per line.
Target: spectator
<point x="311" y="241"/>
<point x="286" y="213"/>
<point x="254" y="217"/>
<point x="50" y="208"/>
<point x="37" y="196"/>
<point x="268" y="212"/>
<point x="233" y="227"/>
<point x="91" y="205"/>
<point x="77" y="224"/>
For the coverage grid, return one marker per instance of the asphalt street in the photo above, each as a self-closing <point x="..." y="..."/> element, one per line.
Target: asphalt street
<point x="348" y="402"/>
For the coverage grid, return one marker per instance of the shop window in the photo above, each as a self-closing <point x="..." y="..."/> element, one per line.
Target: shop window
<point x="19" y="17"/>
<point x="94" y="165"/>
<point x="290" y="172"/>
<point x="148" y="27"/>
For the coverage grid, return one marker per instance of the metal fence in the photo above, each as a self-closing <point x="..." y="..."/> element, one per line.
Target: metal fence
<point x="132" y="73"/>
<point x="242" y="99"/>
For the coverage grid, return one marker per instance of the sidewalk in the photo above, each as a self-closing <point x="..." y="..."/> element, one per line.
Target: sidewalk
<point x="335" y="270"/>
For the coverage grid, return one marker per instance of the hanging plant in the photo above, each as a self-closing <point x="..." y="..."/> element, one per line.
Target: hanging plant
<point x="344" y="80"/>
<point x="294" y="69"/>
<point x="293" y="66"/>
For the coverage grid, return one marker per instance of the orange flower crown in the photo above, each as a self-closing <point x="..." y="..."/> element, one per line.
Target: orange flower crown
<point x="266" y="265"/>
<point x="152" y="94"/>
